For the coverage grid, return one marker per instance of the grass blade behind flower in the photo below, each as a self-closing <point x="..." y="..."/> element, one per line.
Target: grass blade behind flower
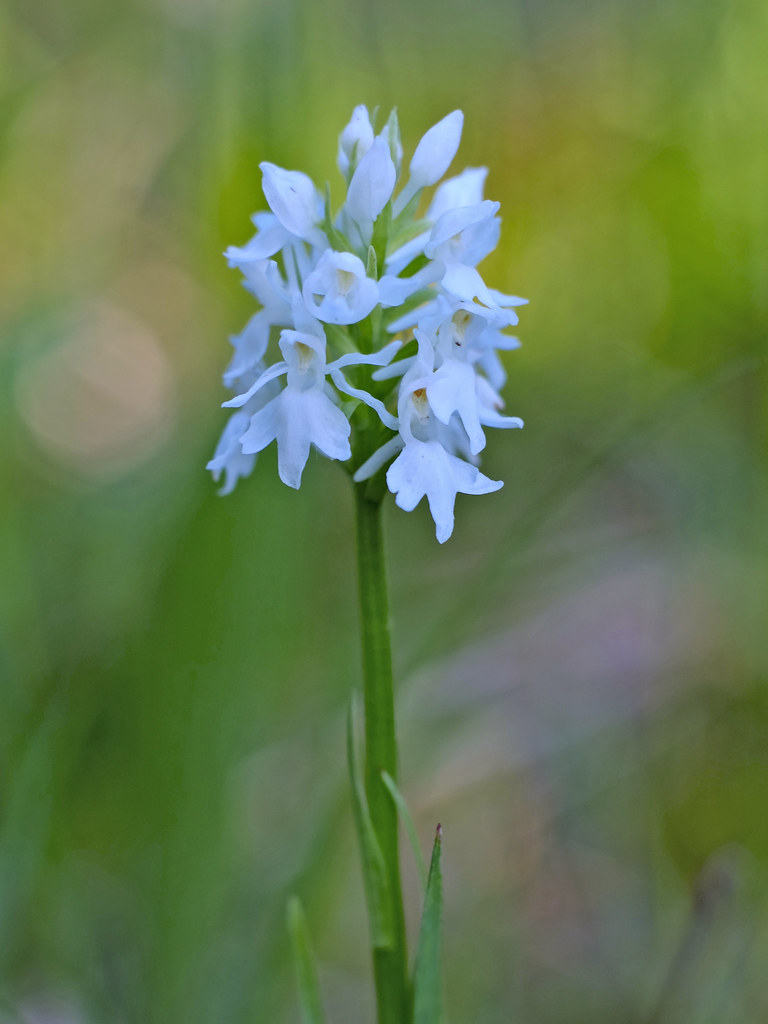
<point x="304" y="962"/>
<point x="427" y="975"/>
<point x="410" y="828"/>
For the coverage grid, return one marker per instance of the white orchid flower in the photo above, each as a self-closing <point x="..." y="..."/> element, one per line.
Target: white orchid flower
<point x="355" y="141"/>
<point x="338" y="291"/>
<point x="432" y="157"/>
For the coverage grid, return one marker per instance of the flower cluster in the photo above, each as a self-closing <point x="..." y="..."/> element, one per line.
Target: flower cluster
<point x="389" y="336"/>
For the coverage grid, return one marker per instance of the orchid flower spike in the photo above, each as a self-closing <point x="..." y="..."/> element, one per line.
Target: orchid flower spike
<point x="316" y="366"/>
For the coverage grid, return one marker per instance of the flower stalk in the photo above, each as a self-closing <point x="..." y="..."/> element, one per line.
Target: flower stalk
<point x="390" y="965"/>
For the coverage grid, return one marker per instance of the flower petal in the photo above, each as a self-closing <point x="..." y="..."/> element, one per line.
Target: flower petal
<point x="426" y="468"/>
<point x="327" y="426"/>
<point x="436" y="150"/>
<point x="293" y="199"/>
<point x="263" y="428"/>
<point x="451" y="389"/>
<point x="229" y="457"/>
<point x="270" y="374"/>
<point x="372" y="183"/>
<point x="466" y="189"/>
<point x="304" y="418"/>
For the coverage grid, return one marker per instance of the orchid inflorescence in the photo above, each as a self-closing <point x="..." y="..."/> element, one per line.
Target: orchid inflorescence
<point x="334" y="289"/>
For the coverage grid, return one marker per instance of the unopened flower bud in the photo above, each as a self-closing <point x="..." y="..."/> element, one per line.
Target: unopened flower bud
<point x="436" y="150"/>
<point x="355" y="141"/>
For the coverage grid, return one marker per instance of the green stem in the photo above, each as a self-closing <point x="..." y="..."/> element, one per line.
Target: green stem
<point x="390" y="965"/>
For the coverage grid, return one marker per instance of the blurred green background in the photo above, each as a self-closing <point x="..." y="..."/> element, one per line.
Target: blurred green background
<point x="583" y="667"/>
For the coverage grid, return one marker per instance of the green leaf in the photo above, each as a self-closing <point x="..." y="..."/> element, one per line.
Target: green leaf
<point x="304" y="963"/>
<point x="427" y="975"/>
<point x="371" y="269"/>
<point x="392" y="130"/>
<point x="410" y="348"/>
<point x="410" y="828"/>
<point x="374" y="867"/>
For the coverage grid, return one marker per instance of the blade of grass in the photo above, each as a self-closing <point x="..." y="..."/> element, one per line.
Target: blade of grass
<point x="427" y="975"/>
<point x="410" y="828"/>
<point x="305" y="966"/>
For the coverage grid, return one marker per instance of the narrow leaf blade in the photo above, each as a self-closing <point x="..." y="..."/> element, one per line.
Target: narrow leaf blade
<point x="427" y="975"/>
<point x="374" y="868"/>
<point x="410" y="828"/>
<point x="304" y="963"/>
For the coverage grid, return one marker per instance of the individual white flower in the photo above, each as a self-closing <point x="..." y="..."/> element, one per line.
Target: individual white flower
<point x="426" y="465"/>
<point x="451" y="389"/>
<point x="436" y="150"/>
<point x="475" y="329"/>
<point x="433" y="156"/>
<point x="338" y="291"/>
<point x="305" y="412"/>
<point x="355" y="141"/>
<point x="465" y="189"/>
<point x="425" y="468"/>
<point x="229" y="458"/>
<point x="462" y="237"/>
<point x="465" y="234"/>
<point x="295" y="202"/>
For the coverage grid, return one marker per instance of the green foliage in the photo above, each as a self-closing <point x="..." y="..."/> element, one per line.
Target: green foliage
<point x="427" y="971"/>
<point x="304" y="964"/>
<point x="378" y="897"/>
<point x="410" y="828"/>
<point x="381" y="233"/>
